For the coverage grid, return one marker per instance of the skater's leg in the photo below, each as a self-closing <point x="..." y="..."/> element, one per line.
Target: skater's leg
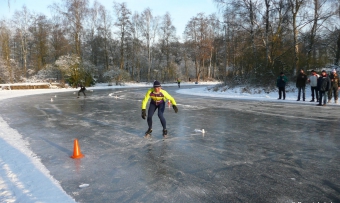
<point x="161" y="109"/>
<point x="151" y="111"/>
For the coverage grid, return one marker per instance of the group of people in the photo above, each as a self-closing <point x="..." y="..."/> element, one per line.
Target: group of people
<point x="322" y="86"/>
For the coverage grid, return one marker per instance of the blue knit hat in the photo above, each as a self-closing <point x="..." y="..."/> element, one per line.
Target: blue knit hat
<point x="156" y="84"/>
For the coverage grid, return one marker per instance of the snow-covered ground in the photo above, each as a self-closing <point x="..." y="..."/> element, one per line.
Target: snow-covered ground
<point x="23" y="178"/>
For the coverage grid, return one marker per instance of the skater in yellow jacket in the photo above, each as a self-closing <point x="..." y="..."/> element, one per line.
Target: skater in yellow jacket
<point x="158" y="99"/>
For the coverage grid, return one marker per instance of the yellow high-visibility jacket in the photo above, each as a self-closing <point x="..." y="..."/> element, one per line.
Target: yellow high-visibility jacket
<point x="157" y="98"/>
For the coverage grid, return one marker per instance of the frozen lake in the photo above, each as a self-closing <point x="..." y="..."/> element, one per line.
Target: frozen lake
<point x="252" y="151"/>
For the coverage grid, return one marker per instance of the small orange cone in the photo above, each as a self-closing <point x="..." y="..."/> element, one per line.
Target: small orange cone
<point x="169" y="103"/>
<point x="76" y="151"/>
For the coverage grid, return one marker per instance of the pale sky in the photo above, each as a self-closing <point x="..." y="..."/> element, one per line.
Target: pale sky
<point x="181" y="11"/>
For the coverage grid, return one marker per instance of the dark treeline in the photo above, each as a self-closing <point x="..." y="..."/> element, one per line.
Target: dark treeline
<point x="251" y="42"/>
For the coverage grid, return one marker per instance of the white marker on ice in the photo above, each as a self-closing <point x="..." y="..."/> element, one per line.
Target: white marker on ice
<point x="84" y="185"/>
<point x="200" y="131"/>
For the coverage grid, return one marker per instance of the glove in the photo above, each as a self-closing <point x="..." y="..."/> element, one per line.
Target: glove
<point x="175" y="108"/>
<point x="143" y="114"/>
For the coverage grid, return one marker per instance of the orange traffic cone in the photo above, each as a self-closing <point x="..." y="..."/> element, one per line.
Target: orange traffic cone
<point x="76" y="151"/>
<point x="169" y="103"/>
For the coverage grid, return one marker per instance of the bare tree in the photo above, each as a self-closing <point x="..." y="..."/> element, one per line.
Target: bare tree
<point x="213" y="33"/>
<point x="295" y="6"/>
<point x="40" y="32"/>
<point x="319" y="16"/>
<point x="91" y="34"/>
<point x="167" y="37"/>
<point x="196" y="34"/>
<point x="149" y="28"/>
<point x="58" y="41"/>
<point x="105" y="25"/>
<point x="5" y="52"/>
<point x="136" y="46"/>
<point x="22" y="21"/>
<point x="337" y="54"/>
<point x="124" y="26"/>
<point x="74" y="13"/>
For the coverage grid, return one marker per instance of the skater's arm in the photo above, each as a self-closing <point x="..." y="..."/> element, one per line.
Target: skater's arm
<point x="146" y="99"/>
<point x="168" y="96"/>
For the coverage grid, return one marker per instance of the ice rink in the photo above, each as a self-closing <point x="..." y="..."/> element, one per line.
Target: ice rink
<point x="251" y="151"/>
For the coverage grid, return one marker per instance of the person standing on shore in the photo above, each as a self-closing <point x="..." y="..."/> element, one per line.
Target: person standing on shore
<point x="313" y="81"/>
<point x="324" y="84"/>
<point x="335" y="84"/>
<point x="281" y="84"/>
<point x="301" y="85"/>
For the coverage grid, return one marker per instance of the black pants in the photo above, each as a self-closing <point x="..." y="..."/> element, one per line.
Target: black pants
<point x="333" y="90"/>
<point x="83" y="91"/>
<point x="282" y="91"/>
<point x="322" y="94"/>
<point x="314" y="89"/>
<point x="151" y="111"/>
<point x="303" y="93"/>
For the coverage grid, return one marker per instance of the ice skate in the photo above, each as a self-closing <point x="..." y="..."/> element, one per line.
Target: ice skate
<point x="165" y="133"/>
<point x="148" y="133"/>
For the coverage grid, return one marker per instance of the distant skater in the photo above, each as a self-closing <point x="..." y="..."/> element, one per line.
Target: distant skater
<point x="82" y="89"/>
<point x="158" y="97"/>
<point x="179" y="83"/>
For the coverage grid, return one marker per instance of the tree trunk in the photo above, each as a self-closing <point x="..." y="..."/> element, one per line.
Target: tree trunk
<point x="312" y="34"/>
<point x="337" y="56"/>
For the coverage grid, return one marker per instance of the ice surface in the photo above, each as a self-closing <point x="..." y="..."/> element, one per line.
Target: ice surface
<point x="255" y="151"/>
